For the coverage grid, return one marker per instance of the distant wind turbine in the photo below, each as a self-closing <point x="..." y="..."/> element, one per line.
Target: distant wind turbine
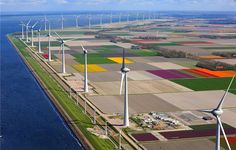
<point x="32" y="34"/>
<point x="62" y="22"/>
<point x="124" y="78"/>
<point x="27" y="30"/>
<point x="22" y="30"/>
<point x="45" y="23"/>
<point x="217" y="112"/>
<point x="49" y="43"/>
<point x="39" y="41"/>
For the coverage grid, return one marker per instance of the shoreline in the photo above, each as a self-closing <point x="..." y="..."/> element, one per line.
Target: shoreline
<point x="63" y="114"/>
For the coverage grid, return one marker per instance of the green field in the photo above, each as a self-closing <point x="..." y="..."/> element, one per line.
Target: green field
<point x="74" y="111"/>
<point x="201" y="84"/>
<point x="45" y="44"/>
<point x="92" y="59"/>
<point x="208" y="126"/>
<point x="145" y="52"/>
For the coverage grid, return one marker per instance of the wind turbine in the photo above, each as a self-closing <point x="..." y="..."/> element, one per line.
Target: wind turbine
<point x="49" y="43"/>
<point x="45" y="23"/>
<point x="32" y="34"/>
<point x="89" y="22"/>
<point x="101" y="21"/>
<point x="120" y="18"/>
<point x="77" y="21"/>
<point x="62" y="22"/>
<point x="85" y="70"/>
<point x="39" y="42"/>
<point x="128" y="18"/>
<point x="63" y="52"/>
<point x="217" y="112"/>
<point x="124" y="78"/>
<point x="27" y="30"/>
<point x="111" y="18"/>
<point x="22" y="30"/>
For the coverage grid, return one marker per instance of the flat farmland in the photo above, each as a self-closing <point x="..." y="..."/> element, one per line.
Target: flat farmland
<point x="144" y="103"/>
<point x="198" y="99"/>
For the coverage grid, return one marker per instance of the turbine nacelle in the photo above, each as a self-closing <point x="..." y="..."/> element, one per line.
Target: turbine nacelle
<point x="217" y="112"/>
<point x="125" y="70"/>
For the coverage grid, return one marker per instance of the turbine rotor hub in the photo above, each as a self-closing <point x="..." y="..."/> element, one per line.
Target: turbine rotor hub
<point x="125" y="70"/>
<point x="217" y="112"/>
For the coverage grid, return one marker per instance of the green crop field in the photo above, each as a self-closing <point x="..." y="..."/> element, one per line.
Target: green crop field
<point x="145" y="52"/>
<point x="92" y="59"/>
<point x="74" y="111"/>
<point x="201" y="84"/>
<point x="208" y="126"/>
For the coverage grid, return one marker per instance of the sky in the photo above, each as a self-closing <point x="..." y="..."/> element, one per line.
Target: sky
<point x="80" y="5"/>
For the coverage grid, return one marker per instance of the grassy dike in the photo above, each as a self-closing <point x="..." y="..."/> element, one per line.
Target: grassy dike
<point x="72" y="110"/>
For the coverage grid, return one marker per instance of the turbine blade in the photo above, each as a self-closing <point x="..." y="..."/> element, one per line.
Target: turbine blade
<point x="225" y="94"/>
<point x="28" y="22"/>
<point x="223" y="131"/>
<point x="121" y="82"/>
<point x="205" y="111"/>
<point x="58" y="35"/>
<point x="83" y="48"/>
<point x="35" y="24"/>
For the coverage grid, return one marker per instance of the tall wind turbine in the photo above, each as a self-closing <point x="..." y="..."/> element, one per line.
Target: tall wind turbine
<point x="101" y="21"/>
<point x="49" y="43"/>
<point x="39" y="41"/>
<point x="32" y="34"/>
<point x="89" y="22"/>
<point x="124" y="78"/>
<point x="85" y="70"/>
<point x="111" y="18"/>
<point x="76" y="21"/>
<point x="27" y="30"/>
<point x="45" y="23"/>
<point x="128" y="18"/>
<point x="22" y="30"/>
<point x="120" y="18"/>
<point x="217" y="112"/>
<point x="62" y="22"/>
<point x="63" y="52"/>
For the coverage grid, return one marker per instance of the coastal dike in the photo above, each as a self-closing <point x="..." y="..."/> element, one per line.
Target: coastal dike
<point x="76" y="131"/>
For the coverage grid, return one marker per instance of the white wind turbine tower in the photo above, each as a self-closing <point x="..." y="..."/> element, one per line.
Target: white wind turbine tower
<point x="32" y="34"/>
<point x="111" y="18"/>
<point x="62" y="22"/>
<point x="77" y="21"/>
<point x="124" y="78"/>
<point x="27" y="30"/>
<point x="22" y="30"/>
<point x="85" y="70"/>
<point x="128" y="18"/>
<point x="49" y="43"/>
<point x="89" y="22"/>
<point x="45" y="23"/>
<point x="120" y="18"/>
<point x="101" y="22"/>
<point x="63" y="52"/>
<point x="39" y="41"/>
<point x="217" y="112"/>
